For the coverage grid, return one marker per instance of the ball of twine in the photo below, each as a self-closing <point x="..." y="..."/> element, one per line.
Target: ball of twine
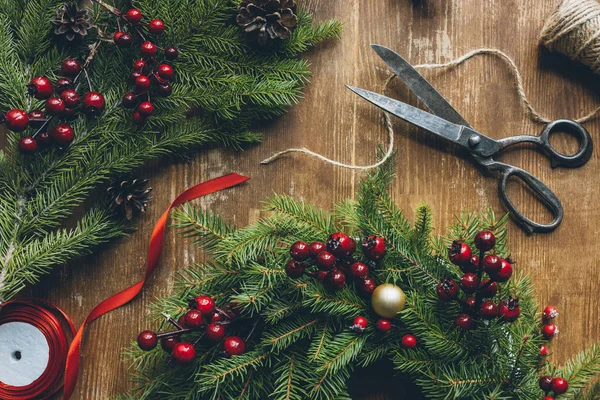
<point x="573" y="29"/>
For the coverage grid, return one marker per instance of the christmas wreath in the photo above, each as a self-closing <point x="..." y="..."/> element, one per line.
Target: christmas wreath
<point x="90" y="94"/>
<point x="289" y="307"/>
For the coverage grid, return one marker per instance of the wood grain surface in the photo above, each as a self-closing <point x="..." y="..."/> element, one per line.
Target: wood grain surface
<point x="335" y="122"/>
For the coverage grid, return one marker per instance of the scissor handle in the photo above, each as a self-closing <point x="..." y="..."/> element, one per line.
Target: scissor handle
<point x="558" y="159"/>
<point x="545" y="196"/>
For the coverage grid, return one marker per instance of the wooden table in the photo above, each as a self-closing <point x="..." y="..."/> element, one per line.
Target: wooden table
<point x="336" y="123"/>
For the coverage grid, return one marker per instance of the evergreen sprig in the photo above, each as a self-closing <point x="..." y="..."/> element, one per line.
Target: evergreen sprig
<point x="301" y="345"/>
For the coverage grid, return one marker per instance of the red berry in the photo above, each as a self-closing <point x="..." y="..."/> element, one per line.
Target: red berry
<point x="321" y="275"/>
<point x="70" y="97"/>
<point x="492" y="264"/>
<point x="548" y="398"/>
<point x="169" y="342"/>
<point x="215" y="332"/>
<point x="156" y="26"/>
<point x="193" y="319"/>
<point x="142" y="83"/>
<point x="70" y="67"/>
<point x="40" y="87"/>
<point x="459" y="253"/>
<point x="63" y="84"/>
<point x="36" y="118"/>
<point x="234" y="346"/>
<point x="550" y="312"/>
<point x="133" y="15"/>
<point x="488" y="310"/>
<point x="367" y="286"/>
<point x="509" y="310"/>
<point x="549" y="331"/>
<point x="469" y="282"/>
<point x="383" y="325"/>
<point x="123" y="39"/>
<point x="336" y="279"/>
<point x="505" y="272"/>
<point x="205" y="304"/>
<point x="165" y="71"/>
<point x="148" y="49"/>
<point x="315" y="248"/>
<point x="28" y="145"/>
<point x="359" y="270"/>
<point x="488" y="289"/>
<point x="545" y="383"/>
<point x="138" y="118"/>
<point x="171" y="53"/>
<point x="294" y="269"/>
<point x="93" y="102"/>
<point x="374" y="247"/>
<point x="359" y="324"/>
<point x="183" y="353"/>
<point x="55" y="106"/>
<point x="62" y="134"/>
<point x="129" y="100"/>
<point x="447" y="290"/>
<point x="147" y="340"/>
<point x="145" y="108"/>
<point x="340" y="244"/>
<point x="485" y="240"/>
<point x="138" y="65"/>
<point x="409" y="341"/>
<point x="543" y="350"/>
<point x="44" y="139"/>
<point x="464" y="321"/>
<point x="469" y="304"/>
<point x="16" y="120"/>
<point x="559" y="386"/>
<point x="216" y="317"/>
<point x="165" y="89"/>
<point x="325" y="260"/>
<point x="300" y="251"/>
<point x="471" y="266"/>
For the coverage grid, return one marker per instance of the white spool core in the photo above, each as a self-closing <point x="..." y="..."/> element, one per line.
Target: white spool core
<point x="24" y="353"/>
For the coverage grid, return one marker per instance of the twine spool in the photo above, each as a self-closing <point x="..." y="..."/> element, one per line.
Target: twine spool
<point x="573" y="29"/>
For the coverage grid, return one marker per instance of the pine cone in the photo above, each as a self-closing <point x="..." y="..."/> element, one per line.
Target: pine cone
<point x="267" y="20"/>
<point x="71" y="20"/>
<point x="129" y="196"/>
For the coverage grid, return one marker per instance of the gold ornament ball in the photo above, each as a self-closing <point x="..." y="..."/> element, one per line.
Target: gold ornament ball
<point x="388" y="300"/>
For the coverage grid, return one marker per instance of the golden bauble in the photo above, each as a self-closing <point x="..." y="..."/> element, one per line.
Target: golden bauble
<point x="388" y="300"/>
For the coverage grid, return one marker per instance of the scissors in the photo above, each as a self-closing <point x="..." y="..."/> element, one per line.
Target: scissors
<point x="446" y="122"/>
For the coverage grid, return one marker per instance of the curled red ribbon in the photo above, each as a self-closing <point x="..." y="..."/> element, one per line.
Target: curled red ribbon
<point x="40" y="316"/>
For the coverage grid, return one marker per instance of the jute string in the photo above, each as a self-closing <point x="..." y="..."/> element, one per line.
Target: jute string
<point x="518" y="81"/>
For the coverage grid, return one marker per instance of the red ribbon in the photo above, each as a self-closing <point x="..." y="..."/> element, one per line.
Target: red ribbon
<point x="57" y="338"/>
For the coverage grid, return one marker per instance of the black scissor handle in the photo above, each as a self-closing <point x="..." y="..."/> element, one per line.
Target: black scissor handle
<point x="543" y="192"/>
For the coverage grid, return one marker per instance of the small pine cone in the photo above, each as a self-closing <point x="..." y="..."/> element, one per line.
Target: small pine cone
<point x="265" y="20"/>
<point x="129" y="196"/>
<point x="71" y="20"/>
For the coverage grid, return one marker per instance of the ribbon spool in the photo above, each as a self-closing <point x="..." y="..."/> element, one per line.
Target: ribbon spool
<point x="33" y="349"/>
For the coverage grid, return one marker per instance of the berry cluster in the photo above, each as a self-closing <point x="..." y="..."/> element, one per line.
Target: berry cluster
<point x="203" y="316"/>
<point x="475" y="288"/>
<point x="334" y="261"/>
<point x="62" y="102"/>
<point x="549" y="330"/>
<point x="148" y="72"/>
<point x="360" y="323"/>
<point x="555" y="385"/>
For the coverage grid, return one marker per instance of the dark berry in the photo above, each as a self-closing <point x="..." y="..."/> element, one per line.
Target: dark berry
<point x="234" y="346"/>
<point x="409" y="341"/>
<point x="70" y="97"/>
<point x="447" y="290"/>
<point x="142" y="83"/>
<point x="156" y="26"/>
<point x="488" y="310"/>
<point x="359" y="270"/>
<point x="383" y="325"/>
<point x="545" y="383"/>
<point x="315" y="248"/>
<point x="336" y="279"/>
<point x="504" y="273"/>
<point x="300" y="251"/>
<point x="325" y="260"/>
<point x="374" y="247"/>
<point x="485" y="240"/>
<point x="171" y="53"/>
<point x="340" y="244"/>
<point x="133" y="15"/>
<point x="123" y="39"/>
<point x="367" y="286"/>
<point x="559" y="386"/>
<point x="294" y="269"/>
<point x="169" y="342"/>
<point x="165" y="89"/>
<point x="70" y="67"/>
<point x="321" y="275"/>
<point x="63" y="84"/>
<point x="16" y="120"/>
<point x="509" y="310"/>
<point x="62" y="134"/>
<point x="93" y="102"/>
<point x="469" y="282"/>
<point x="36" y="118"/>
<point x="471" y="266"/>
<point x="183" y="353"/>
<point x="488" y="288"/>
<point x="470" y="303"/>
<point x="148" y="49"/>
<point x="129" y="100"/>
<point x="193" y="319"/>
<point x="147" y="340"/>
<point x="40" y="87"/>
<point x="464" y="321"/>
<point x="145" y="108"/>
<point x="55" y="106"/>
<point x="28" y="145"/>
<point x="68" y="113"/>
<point x="43" y="138"/>
<point x="215" y="332"/>
<point x="138" y="118"/>
<point x="205" y="304"/>
<point x="134" y="75"/>
<point x="459" y="253"/>
<point x="165" y="71"/>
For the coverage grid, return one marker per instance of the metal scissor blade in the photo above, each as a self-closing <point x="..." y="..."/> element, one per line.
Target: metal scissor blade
<point x="415" y="116"/>
<point x="419" y="85"/>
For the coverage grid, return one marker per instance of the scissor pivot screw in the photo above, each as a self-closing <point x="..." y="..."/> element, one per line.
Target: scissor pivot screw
<point x="474" y="140"/>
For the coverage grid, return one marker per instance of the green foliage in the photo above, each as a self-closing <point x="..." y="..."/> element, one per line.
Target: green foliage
<point x="300" y="345"/>
<point x="222" y="86"/>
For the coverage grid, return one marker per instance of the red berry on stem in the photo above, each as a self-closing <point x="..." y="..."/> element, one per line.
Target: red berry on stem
<point x="63" y="84"/>
<point x="550" y="312"/>
<point x="62" y="134"/>
<point x="193" y="319"/>
<point x="469" y="304"/>
<point x="165" y="71"/>
<point x="123" y="39"/>
<point x="129" y="100"/>
<point x="183" y="353"/>
<point x="165" y="89"/>
<point x="16" y="120"/>
<point x="374" y="247"/>
<point x="216" y="317"/>
<point x="171" y="53"/>
<point x="367" y="286"/>
<point x="55" y="106"/>
<point x="485" y="240"/>
<point x="133" y="15"/>
<point x="205" y="304"/>
<point x="138" y="118"/>
<point x="147" y="340"/>
<point x="234" y="346"/>
<point x="383" y="325"/>
<point x="40" y="87"/>
<point x="549" y="331"/>
<point x="142" y="83"/>
<point x="145" y="108"/>
<point x="505" y="272"/>
<point x="28" y="145"/>
<point x="169" y="342"/>
<point x="340" y="244"/>
<point x="93" y="102"/>
<point x="70" y="97"/>
<point x="492" y="264"/>
<point x="70" y="67"/>
<point x="488" y="288"/>
<point x="545" y="383"/>
<point x="36" y="118"/>
<point x="215" y="332"/>
<point x="543" y="350"/>
<point x="300" y="251"/>
<point x="464" y="321"/>
<point x="148" y="49"/>
<point x="336" y="279"/>
<point x="138" y="65"/>
<point x="409" y="341"/>
<point x="469" y="282"/>
<point x="359" y="270"/>
<point x="509" y="310"/>
<point x="488" y="310"/>
<point x="359" y="324"/>
<point x="447" y="290"/>
<point x="559" y="386"/>
<point x="471" y="266"/>
<point x="156" y="26"/>
<point x="315" y="248"/>
<point x="459" y="253"/>
<point x="294" y="269"/>
<point x="325" y="260"/>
